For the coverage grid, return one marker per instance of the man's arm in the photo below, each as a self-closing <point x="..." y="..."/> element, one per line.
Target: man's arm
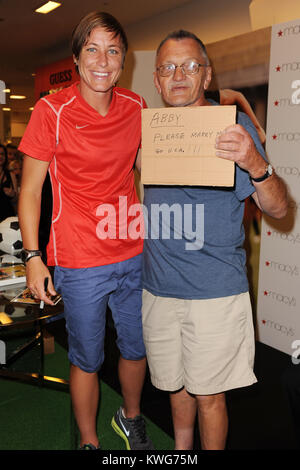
<point x="271" y="196"/>
<point x="236" y="144"/>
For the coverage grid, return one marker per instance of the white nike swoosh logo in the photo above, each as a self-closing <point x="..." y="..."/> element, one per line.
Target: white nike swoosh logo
<point x="81" y="127"/>
<point x="125" y="430"/>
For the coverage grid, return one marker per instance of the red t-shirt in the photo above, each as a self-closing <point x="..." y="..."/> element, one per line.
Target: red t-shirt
<point x="91" y="172"/>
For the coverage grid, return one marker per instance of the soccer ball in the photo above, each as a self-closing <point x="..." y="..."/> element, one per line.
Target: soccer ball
<point x="10" y="236"/>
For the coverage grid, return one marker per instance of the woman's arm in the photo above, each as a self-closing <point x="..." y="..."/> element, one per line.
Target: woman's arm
<point x="228" y="96"/>
<point x="138" y="161"/>
<point x="29" y="208"/>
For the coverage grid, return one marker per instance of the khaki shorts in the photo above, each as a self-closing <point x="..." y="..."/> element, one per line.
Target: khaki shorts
<point x="206" y="346"/>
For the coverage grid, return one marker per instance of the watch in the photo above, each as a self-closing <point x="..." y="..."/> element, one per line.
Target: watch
<point x="26" y="255"/>
<point x="269" y="172"/>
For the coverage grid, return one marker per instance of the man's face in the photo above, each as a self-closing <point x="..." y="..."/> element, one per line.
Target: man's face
<point x="100" y="61"/>
<point x="180" y="89"/>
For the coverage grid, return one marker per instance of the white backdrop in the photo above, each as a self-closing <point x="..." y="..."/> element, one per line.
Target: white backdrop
<point x="278" y="312"/>
<point x="142" y="64"/>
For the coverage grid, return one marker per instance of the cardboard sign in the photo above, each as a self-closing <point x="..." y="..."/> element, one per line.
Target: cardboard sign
<point x="178" y="146"/>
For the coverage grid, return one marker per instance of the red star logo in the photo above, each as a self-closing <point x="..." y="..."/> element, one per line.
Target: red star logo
<point x="276" y="103"/>
<point x="263" y="321"/>
<point x="267" y="263"/>
<point x="269" y="233"/>
<point x="278" y="68"/>
<point x="280" y="33"/>
<point x="265" y="292"/>
<point x="274" y="137"/>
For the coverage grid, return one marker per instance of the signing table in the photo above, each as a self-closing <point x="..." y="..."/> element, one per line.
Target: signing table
<point x="18" y="318"/>
<point x="21" y="320"/>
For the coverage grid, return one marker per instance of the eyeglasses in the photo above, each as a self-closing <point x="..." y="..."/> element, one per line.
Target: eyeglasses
<point x="188" y="68"/>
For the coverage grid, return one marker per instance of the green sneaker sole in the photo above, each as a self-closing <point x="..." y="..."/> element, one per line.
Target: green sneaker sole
<point x="120" y="433"/>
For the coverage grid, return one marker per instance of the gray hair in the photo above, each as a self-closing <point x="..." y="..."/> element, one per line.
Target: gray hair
<point x="182" y="34"/>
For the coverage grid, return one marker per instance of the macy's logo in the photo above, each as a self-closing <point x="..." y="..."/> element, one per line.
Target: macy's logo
<point x="284" y="268"/>
<point x="289" y="30"/>
<point x="288" y="67"/>
<point x="287" y="330"/>
<point x="286" y="137"/>
<point x="290" y="237"/>
<point x="290" y="301"/>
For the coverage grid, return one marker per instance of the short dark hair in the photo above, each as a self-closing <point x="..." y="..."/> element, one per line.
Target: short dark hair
<point x="93" y="20"/>
<point x="183" y="34"/>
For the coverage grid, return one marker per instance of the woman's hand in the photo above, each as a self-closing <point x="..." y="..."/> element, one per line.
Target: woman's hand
<point x="36" y="272"/>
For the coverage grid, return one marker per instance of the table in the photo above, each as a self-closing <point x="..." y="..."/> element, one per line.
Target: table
<point x="22" y="316"/>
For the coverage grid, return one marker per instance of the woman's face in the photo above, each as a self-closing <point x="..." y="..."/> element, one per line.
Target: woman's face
<point x="100" y="62"/>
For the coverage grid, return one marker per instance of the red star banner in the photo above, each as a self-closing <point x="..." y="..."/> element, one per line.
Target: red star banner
<point x="279" y="270"/>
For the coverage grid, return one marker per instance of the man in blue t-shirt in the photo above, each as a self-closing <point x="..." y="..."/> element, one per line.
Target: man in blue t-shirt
<point x="197" y="318"/>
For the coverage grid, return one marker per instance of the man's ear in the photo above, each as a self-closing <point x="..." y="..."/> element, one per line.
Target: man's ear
<point x="208" y="76"/>
<point x="156" y="82"/>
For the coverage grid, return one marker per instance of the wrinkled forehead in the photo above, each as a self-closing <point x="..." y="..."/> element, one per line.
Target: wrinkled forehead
<point x="180" y="50"/>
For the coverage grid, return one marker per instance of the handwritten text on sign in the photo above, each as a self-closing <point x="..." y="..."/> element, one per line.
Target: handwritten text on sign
<point x="181" y="134"/>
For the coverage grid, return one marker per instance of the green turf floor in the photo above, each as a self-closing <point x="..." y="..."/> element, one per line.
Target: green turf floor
<point x="34" y="418"/>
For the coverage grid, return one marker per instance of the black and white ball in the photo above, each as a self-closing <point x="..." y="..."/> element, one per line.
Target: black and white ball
<point x="10" y="236"/>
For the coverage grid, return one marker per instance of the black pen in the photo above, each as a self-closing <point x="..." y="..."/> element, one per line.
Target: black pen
<point x="46" y="280"/>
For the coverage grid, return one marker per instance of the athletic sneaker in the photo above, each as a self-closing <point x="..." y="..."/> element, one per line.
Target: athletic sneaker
<point x="132" y="430"/>
<point x="89" y="447"/>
